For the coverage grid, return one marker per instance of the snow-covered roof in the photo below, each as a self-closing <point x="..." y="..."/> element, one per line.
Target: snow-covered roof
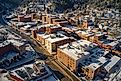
<point x="112" y="62"/>
<point x="43" y="35"/>
<point x="31" y="23"/>
<point x="20" y="23"/>
<point x="16" y="43"/>
<point x="27" y="26"/>
<point x="49" y="25"/>
<point x="27" y="16"/>
<point x="99" y="34"/>
<point x="88" y="33"/>
<point x="51" y="15"/>
<point x="95" y="57"/>
<point x="27" y="72"/>
<point x="29" y="48"/>
<point x="77" y="49"/>
<point x="118" y="77"/>
<point x="5" y="43"/>
<point x="3" y="77"/>
<point x="99" y="63"/>
<point x="56" y="37"/>
<point x="112" y="43"/>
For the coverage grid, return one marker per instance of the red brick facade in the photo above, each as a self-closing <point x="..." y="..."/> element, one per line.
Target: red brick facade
<point x="6" y="49"/>
<point x="22" y="18"/>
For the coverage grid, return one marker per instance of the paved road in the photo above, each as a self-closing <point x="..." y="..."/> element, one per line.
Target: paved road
<point x="58" y="70"/>
<point x="61" y="72"/>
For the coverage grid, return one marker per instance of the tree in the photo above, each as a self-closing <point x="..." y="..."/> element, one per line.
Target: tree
<point x="53" y="6"/>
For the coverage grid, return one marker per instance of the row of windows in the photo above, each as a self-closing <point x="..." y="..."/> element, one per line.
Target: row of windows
<point x="63" y="56"/>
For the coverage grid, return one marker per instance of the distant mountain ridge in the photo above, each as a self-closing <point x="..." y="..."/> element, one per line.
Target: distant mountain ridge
<point x="10" y="3"/>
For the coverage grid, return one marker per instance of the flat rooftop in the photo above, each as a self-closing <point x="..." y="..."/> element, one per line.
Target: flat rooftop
<point x="8" y="55"/>
<point x="27" y="72"/>
<point x="16" y="42"/>
<point x="15" y="59"/>
<point x="99" y="62"/>
<point x="43" y="35"/>
<point x="112" y="62"/>
<point x="5" y="43"/>
<point x="95" y="58"/>
<point x="49" y="26"/>
<point x="56" y="38"/>
<point x="77" y="49"/>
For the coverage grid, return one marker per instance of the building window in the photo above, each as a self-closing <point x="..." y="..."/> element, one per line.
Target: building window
<point x="44" y="19"/>
<point x="87" y="70"/>
<point x="54" y="48"/>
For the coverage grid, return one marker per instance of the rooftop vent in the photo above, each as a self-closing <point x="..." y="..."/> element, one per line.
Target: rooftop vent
<point x="59" y="35"/>
<point x="52" y="36"/>
<point x="70" y="47"/>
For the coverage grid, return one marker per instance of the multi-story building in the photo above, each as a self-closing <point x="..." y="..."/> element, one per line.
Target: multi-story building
<point x="53" y="28"/>
<point x="110" y="69"/>
<point x="23" y="18"/>
<point x="16" y="54"/>
<point x="48" y="28"/>
<point x="72" y="53"/>
<point x="6" y="47"/>
<point x="54" y="40"/>
<point x="87" y="35"/>
<point x="37" y="72"/>
<point x="90" y="66"/>
<point x="93" y="68"/>
<point x="98" y="66"/>
<point x="53" y="19"/>
<point x="41" y="37"/>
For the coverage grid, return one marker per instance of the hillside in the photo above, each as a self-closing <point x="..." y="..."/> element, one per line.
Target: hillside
<point x="9" y="4"/>
<point x="65" y="4"/>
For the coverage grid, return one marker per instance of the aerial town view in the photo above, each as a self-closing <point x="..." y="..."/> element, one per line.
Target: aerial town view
<point x="60" y="40"/>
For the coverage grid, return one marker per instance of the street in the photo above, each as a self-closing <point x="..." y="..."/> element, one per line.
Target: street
<point x="59" y="70"/>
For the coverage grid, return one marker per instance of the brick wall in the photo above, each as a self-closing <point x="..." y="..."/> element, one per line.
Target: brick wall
<point x="7" y="48"/>
<point x="66" y="60"/>
<point x="24" y="19"/>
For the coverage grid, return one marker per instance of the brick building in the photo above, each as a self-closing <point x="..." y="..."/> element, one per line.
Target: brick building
<point x="41" y="37"/>
<point x="94" y="68"/>
<point x="36" y="16"/>
<point x="53" y="28"/>
<point x="32" y="72"/>
<point x="53" y="19"/>
<point x="48" y="29"/>
<point x="91" y="65"/>
<point x="23" y="18"/>
<point x="6" y="47"/>
<point x="49" y="37"/>
<point x="71" y="54"/>
<point x="86" y="35"/>
<point x="85" y="25"/>
<point x="54" y="40"/>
